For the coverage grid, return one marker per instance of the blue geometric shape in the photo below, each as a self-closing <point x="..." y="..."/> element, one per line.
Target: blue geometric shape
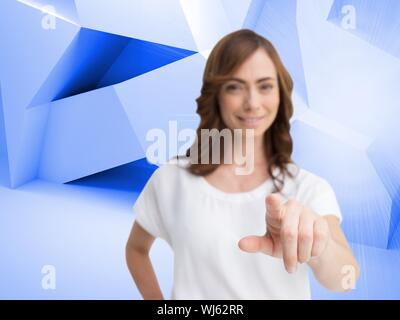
<point x="253" y="14"/>
<point x="383" y="154"/>
<point x="152" y="20"/>
<point x="31" y="141"/>
<point x="276" y="20"/>
<point x="86" y="134"/>
<point x="362" y="195"/>
<point x="139" y="57"/>
<point x="28" y="54"/>
<point x="97" y="59"/>
<point x="142" y="97"/>
<point x="128" y="177"/>
<point x="375" y="21"/>
<point x="4" y="170"/>
<point x="3" y="146"/>
<point x="394" y="235"/>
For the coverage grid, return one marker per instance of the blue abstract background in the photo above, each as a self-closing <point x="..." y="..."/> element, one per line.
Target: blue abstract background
<point x="83" y="81"/>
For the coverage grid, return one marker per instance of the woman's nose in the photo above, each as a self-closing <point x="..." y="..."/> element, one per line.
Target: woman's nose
<point x="251" y="100"/>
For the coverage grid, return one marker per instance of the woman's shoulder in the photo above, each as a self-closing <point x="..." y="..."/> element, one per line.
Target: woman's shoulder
<point x="171" y="171"/>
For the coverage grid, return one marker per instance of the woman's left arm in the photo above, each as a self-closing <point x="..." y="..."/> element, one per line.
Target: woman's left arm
<point x="336" y="268"/>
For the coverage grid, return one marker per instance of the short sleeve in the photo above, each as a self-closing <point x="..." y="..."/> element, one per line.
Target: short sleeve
<point x="147" y="208"/>
<point x="323" y="200"/>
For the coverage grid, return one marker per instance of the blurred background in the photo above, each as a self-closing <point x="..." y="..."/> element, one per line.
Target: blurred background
<point x="83" y="81"/>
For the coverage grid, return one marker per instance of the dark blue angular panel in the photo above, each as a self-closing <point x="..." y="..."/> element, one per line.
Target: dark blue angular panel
<point x="139" y="57"/>
<point x="97" y="59"/>
<point x="128" y="177"/>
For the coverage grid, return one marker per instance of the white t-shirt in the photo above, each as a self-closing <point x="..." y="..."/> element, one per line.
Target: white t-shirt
<point x="204" y="224"/>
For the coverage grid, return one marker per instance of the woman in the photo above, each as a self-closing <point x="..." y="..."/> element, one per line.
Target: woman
<point x="242" y="236"/>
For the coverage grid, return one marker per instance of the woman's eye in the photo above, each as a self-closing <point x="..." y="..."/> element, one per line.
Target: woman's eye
<point x="233" y="87"/>
<point x="267" y="87"/>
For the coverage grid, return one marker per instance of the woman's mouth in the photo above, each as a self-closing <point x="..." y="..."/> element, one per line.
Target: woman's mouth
<point x="251" y="122"/>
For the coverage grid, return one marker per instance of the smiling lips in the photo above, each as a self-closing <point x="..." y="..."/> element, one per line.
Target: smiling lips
<point x="251" y="122"/>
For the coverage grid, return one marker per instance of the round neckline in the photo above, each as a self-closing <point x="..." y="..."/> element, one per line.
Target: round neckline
<point x="256" y="192"/>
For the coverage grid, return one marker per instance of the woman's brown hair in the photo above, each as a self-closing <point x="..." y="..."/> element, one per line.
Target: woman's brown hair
<point x="227" y="55"/>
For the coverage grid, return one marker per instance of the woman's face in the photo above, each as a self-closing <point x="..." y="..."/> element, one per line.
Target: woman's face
<point x="250" y="100"/>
